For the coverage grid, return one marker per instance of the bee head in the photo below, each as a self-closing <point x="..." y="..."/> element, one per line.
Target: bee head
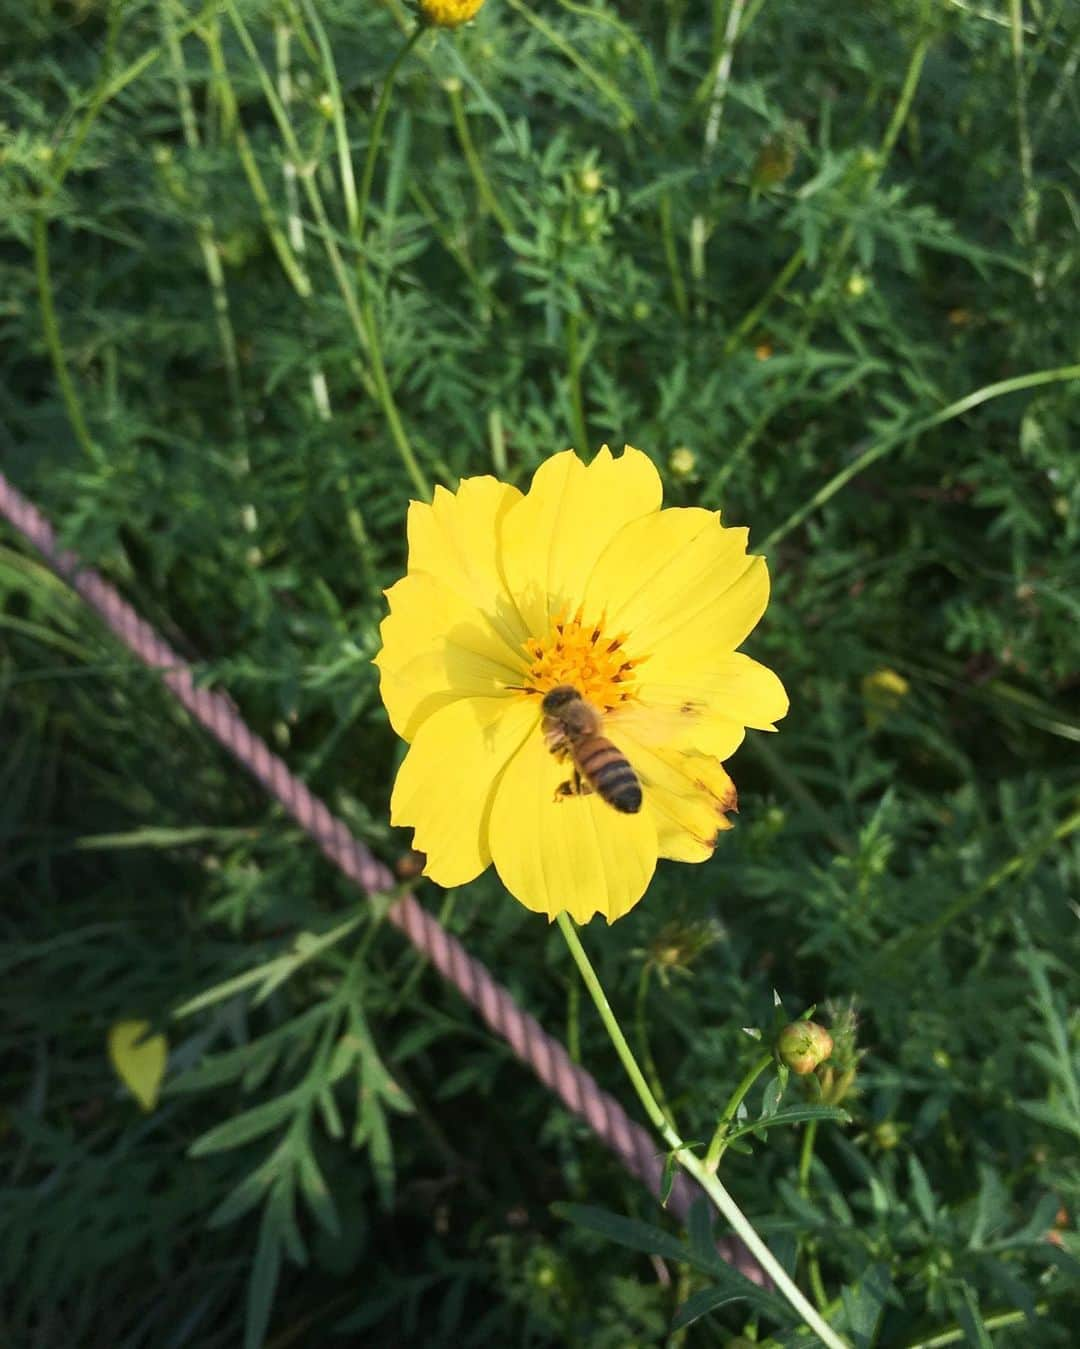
<point x="558" y="697"/>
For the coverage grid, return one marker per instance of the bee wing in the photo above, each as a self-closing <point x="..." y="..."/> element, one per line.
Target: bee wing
<point x="670" y="724"/>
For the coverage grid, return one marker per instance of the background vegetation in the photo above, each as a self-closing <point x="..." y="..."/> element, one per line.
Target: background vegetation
<point x="804" y="242"/>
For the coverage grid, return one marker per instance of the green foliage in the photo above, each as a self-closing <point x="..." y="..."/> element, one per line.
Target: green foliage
<point x="823" y="248"/>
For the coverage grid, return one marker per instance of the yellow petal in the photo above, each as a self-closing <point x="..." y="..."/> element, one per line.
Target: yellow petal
<point x="139" y="1063"/>
<point x="679" y="583"/>
<point x="552" y="538"/>
<point x="438" y="647"/>
<point x="445" y="785"/>
<point x="688" y="796"/>
<point x="576" y="854"/>
<point x="707" y="709"/>
<point x="456" y="539"/>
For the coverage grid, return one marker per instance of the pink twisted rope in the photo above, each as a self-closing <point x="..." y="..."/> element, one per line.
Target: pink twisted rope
<point x="548" y="1059"/>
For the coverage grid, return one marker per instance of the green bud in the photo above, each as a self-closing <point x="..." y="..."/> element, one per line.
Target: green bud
<point x="803" y="1045"/>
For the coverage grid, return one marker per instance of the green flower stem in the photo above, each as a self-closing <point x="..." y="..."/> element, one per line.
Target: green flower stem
<point x="51" y="329"/>
<point x="718" y="1146"/>
<point x="708" y="1182"/>
<point x="641" y="1029"/>
<point x="367" y="177"/>
<point x="996" y="1321"/>
<point x="468" y="149"/>
<point x="671" y="254"/>
<point x="813" y="1264"/>
<point x="577" y="405"/>
<point x="377" y="124"/>
<point x="895" y="438"/>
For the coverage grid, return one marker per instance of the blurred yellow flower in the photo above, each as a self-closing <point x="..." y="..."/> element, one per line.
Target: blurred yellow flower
<point x="449" y="13"/>
<point x="583" y="581"/>
<point x="883" y="691"/>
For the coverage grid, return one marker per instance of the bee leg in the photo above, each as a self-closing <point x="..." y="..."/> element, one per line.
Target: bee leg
<point x="581" y="787"/>
<point x="563" y="790"/>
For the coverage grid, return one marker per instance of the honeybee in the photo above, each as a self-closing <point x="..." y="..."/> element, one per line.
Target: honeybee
<point x="573" y="727"/>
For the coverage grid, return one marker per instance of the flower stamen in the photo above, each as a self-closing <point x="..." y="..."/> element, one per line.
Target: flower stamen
<point x="581" y="654"/>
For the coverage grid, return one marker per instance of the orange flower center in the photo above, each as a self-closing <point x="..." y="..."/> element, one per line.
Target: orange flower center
<point x="582" y="654"/>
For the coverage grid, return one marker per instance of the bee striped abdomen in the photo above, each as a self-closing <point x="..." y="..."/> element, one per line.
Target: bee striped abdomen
<point x="608" y="773"/>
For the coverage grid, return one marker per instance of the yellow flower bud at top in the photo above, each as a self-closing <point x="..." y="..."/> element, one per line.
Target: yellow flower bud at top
<point x="449" y="13"/>
<point x="590" y="181"/>
<point x="803" y="1045"/>
<point x="856" y="285"/>
<point x="682" y="461"/>
<point x="325" y="105"/>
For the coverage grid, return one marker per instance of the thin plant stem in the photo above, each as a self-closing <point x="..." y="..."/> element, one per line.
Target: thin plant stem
<point x="671" y="254"/>
<point x="1030" y="200"/>
<point x="718" y="1145"/>
<point x="354" y="215"/>
<point x="288" y="249"/>
<point x="367" y="177"/>
<point x="996" y="1321"/>
<point x="806" y="1156"/>
<point x="472" y="159"/>
<point x="53" y="342"/>
<point x="719" y="87"/>
<point x="641" y="1029"/>
<point x="813" y="1264"/>
<point x="708" y="1182"/>
<point x="320" y="390"/>
<point x="573" y="1020"/>
<point x="882" y="447"/>
<point x="573" y="368"/>
<point x="208" y="246"/>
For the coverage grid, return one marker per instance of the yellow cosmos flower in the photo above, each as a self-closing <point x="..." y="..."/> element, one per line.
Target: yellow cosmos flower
<point x="449" y="13"/>
<point x="582" y="581"/>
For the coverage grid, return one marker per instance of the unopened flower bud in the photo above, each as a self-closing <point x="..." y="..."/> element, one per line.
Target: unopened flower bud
<point x="325" y="105"/>
<point x="803" y="1045"/>
<point x="590" y="180"/>
<point x="682" y="461"/>
<point x="883" y="691"/>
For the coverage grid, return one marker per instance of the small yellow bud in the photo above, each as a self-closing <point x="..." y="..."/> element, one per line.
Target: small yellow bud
<point x="452" y="85"/>
<point x="883" y="692"/>
<point x="449" y="13"/>
<point x="763" y="351"/>
<point x="325" y="105"/>
<point x="682" y="461"/>
<point x="590" y="180"/>
<point x="856" y="285"/>
<point x="886" y="1135"/>
<point x="803" y="1045"/>
<point x="641" y="310"/>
